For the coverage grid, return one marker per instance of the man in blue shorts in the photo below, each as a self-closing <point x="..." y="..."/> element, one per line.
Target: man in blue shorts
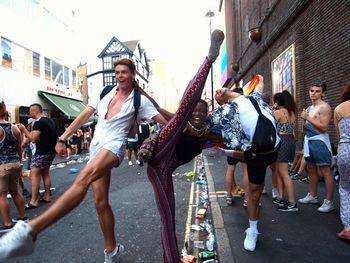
<point x="317" y="148"/>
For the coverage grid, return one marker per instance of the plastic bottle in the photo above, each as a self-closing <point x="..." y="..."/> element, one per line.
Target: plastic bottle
<point x="206" y="254"/>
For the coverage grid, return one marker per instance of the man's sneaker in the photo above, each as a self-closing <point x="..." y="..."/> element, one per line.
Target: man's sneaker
<point x="304" y="180"/>
<point x="137" y="162"/>
<point x="229" y="200"/>
<point x="308" y="199"/>
<point x="238" y="191"/>
<point x="274" y="193"/>
<point x="264" y="192"/>
<point x="326" y="207"/>
<point x="17" y="242"/>
<point x="130" y="162"/>
<point x="7" y="228"/>
<point x="250" y="239"/>
<point x="245" y="203"/>
<point x="279" y="201"/>
<point x="15" y="220"/>
<point x="115" y="255"/>
<point x="288" y="207"/>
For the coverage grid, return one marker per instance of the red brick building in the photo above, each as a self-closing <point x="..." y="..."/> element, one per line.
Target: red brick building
<point x="296" y="43"/>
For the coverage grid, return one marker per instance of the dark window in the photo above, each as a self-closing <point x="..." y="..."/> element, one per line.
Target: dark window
<point x="36" y="64"/>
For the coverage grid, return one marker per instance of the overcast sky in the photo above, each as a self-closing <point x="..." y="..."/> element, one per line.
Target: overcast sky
<point x="174" y="31"/>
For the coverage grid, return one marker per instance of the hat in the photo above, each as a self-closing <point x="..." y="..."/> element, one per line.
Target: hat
<point x="30" y="120"/>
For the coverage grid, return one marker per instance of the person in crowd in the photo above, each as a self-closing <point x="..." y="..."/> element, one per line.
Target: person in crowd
<point x="44" y="135"/>
<point x="10" y="170"/>
<point x="317" y="147"/>
<point x="298" y="166"/>
<point x="133" y="146"/>
<point x="342" y="126"/>
<point x="87" y="138"/>
<point x="178" y="143"/>
<point x="285" y="116"/>
<point x="232" y="187"/>
<point x="68" y="145"/>
<point x="80" y="141"/>
<point x="238" y="117"/>
<point x="116" y="116"/>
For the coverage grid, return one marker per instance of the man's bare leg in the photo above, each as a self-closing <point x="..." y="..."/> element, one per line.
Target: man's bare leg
<point x="98" y="167"/>
<point x="104" y="211"/>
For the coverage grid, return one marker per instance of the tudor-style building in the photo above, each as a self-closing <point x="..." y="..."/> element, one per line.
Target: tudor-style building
<point x="114" y="51"/>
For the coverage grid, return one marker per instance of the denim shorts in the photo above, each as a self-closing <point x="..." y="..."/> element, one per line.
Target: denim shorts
<point x="319" y="154"/>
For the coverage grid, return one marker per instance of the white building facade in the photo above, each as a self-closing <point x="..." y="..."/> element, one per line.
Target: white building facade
<point x="38" y="61"/>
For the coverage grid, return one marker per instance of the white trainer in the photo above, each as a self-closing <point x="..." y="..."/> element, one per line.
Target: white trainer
<point x="130" y="162"/>
<point x="250" y="239"/>
<point x="326" y="207"/>
<point x="137" y="162"/>
<point x="308" y="199"/>
<point x="115" y="255"/>
<point x="17" y="242"/>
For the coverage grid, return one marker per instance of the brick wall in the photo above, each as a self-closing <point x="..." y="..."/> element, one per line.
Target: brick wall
<point x="320" y="30"/>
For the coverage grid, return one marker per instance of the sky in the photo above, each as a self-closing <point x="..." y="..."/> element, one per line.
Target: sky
<point x="172" y="31"/>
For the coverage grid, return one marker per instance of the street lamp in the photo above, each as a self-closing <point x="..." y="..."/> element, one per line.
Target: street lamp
<point x="210" y="14"/>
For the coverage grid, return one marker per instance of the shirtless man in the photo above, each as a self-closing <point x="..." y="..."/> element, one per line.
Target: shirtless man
<point x="116" y="115"/>
<point x="317" y="148"/>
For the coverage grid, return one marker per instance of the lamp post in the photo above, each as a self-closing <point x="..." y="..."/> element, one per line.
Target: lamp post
<point x="210" y="14"/>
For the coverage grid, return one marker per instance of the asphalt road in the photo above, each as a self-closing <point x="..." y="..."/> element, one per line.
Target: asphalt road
<point x="77" y="237"/>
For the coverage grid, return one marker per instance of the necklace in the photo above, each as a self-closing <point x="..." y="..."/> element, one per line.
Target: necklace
<point x="200" y="131"/>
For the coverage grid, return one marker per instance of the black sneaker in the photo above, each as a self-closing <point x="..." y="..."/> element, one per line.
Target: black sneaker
<point x="279" y="201"/>
<point x="15" y="220"/>
<point x="304" y="180"/>
<point x="5" y="228"/>
<point x="288" y="207"/>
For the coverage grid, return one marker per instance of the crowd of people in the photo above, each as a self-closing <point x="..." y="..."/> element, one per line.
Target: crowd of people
<point x="182" y="137"/>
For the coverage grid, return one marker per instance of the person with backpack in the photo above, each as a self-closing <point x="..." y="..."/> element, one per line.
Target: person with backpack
<point x="249" y="131"/>
<point x="116" y="114"/>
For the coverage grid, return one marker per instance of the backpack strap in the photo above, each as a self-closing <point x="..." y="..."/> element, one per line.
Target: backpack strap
<point x="106" y="90"/>
<point x="137" y="102"/>
<point x="255" y="104"/>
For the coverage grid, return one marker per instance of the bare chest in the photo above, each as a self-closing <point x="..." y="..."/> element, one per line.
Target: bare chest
<point x="115" y="106"/>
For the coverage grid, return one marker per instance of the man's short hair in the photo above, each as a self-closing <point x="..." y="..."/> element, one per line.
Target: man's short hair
<point x="38" y="106"/>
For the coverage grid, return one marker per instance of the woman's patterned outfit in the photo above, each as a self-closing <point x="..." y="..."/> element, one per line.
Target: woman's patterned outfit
<point x="288" y="145"/>
<point x="343" y="161"/>
<point x="164" y="161"/>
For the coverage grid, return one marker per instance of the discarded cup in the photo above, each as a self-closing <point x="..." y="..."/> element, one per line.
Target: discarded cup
<point x="73" y="170"/>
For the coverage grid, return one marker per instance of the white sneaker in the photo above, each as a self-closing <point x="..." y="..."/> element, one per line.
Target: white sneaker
<point x="130" y="162"/>
<point x="274" y="193"/>
<point x="17" y="242"/>
<point x="250" y="239"/>
<point x="137" y="162"/>
<point x="115" y="255"/>
<point x="308" y="199"/>
<point x="326" y="207"/>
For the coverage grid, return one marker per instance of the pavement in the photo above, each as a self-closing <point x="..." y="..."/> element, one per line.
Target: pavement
<point x="303" y="236"/>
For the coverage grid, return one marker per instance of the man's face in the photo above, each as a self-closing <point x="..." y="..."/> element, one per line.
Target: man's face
<point x="124" y="77"/>
<point x="315" y="93"/>
<point x="32" y="112"/>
